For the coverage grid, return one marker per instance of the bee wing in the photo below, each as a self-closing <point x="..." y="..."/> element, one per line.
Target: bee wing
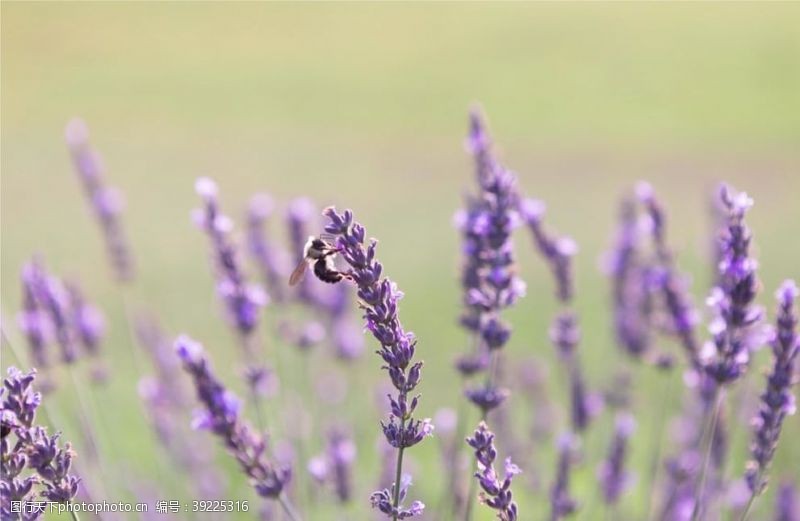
<point x="328" y="238"/>
<point x="299" y="271"/>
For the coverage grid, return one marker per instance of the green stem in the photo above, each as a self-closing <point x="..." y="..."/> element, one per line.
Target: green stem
<point x="75" y="516"/>
<point x="708" y="443"/>
<point x="291" y="513"/>
<point x="473" y="483"/>
<point x="655" y="463"/>
<point x="747" y="507"/>
<point x="398" y="473"/>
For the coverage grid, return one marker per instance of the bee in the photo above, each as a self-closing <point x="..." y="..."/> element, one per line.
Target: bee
<point x="319" y="252"/>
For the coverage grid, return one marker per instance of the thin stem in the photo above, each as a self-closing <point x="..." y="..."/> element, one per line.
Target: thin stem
<point x="84" y="403"/>
<point x="398" y="474"/>
<point x="655" y="463"/>
<point x="750" y="501"/>
<point x="291" y="513"/>
<point x="74" y="515"/>
<point x="473" y="483"/>
<point x="708" y="443"/>
<point x="455" y="456"/>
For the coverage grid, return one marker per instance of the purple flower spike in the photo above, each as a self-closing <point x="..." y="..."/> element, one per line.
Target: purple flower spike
<point x="488" y="278"/>
<point x="273" y="262"/>
<point x="777" y="402"/>
<point x="53" y="296"/>
<point x="380" y="301"/>
<point x="735" y="326"/>
<point x="557" y="251"/>
<point x="496" y="491"/>
<point x="25" y="446"/>
<point x="105" y="201"/>
<point x="561" y="503"/>
<point x="221" y="415"/>
<point x="612" y="475"/>
<point x="243" y="301"/>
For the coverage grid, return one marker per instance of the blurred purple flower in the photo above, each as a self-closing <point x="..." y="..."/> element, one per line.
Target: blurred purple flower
<point x="561" y="503"/>
<point x="221" y="415"/>
<point x="105" y="201"/>
<point x="33" y="320"/>
<point x="612" y="475"/>
<point x="488" y="276"/>
<point x="243" y="301"/>
<point x="787" y="503"/>
<point x="273" y="261"/>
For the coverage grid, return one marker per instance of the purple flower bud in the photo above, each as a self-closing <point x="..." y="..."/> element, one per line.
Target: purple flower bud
<point x="487" y="398"/>
<point x="496" y="490"/>
<point x="382" y="501"/>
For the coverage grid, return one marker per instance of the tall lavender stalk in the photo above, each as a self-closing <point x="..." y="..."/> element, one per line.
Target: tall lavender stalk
<point x="777" y="401"/>
<point x="379" y="299"/>
<point x="488" y="277"/>
<point x="558" y="252"/>
<point x="735" y="325"/>
<point x="222" y="417"/>
<point x="106" y="202"/>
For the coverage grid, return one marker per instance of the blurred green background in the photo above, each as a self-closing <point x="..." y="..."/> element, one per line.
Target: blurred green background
<point x="364" y="106"/>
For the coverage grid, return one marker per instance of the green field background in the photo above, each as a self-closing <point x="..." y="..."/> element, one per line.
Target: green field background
<point x="364" y="106"/>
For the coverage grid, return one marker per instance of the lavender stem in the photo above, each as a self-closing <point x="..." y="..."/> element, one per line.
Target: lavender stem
<point x="655" y="464"/>
<point x="398" y="474"/>
<point x="291" y="513"/>
<point x="74" y="515"/>
<point x="707" y="443"/>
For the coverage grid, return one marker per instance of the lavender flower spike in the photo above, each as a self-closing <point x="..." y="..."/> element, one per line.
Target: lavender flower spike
<point x="727" y="357"/>
<point x="496" y="493"/>
<point x="777" y="401"/>
<point x="557" y="251"/>
<point x="105" y="201"/>
<point x="222" y="417"/>
<point x="612" y="474"/>
<point x="242" y="301"/>
<point x="561" y="503"/>
<point x="24" y="446"/>
<point x="379" y="299"/>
